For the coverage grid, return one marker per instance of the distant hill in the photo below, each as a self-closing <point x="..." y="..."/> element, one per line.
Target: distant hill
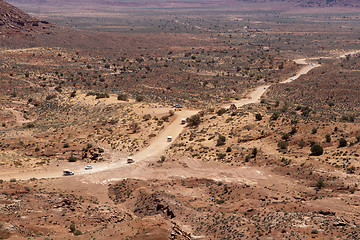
<point x="13" y="20"/>
<point x="169" y="4"/>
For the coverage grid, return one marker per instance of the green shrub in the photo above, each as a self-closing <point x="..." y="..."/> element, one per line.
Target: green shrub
<point x="254" y="152"/>
<point x="51" y="96"/>
<point x="122" y="97"/>
<point x="194" y="120"/>
<point x="283" y="145"/>
<point x="342" y="142"/>
<point x="274" y="116"/>
<point x="220" y="141"/>
<point x="314" y="130"/>
<point x="328" y="138"/>
<point x="72" y="159"/>
<point x="316" y="150"/>
<point x="139" y="98"/>
<point x="320" y="183"/>
<point x="221" y="111"/>
<point x="258" y="117"/>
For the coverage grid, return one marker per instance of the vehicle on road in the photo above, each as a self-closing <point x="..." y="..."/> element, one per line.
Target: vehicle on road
<point x="130" y="160"/>
<point x="169" y="138"/>
<point x="67" y="172"/>
<point x="88" y="167"/>
<point x="177" y="106"/>
<point x="183" y="121"/>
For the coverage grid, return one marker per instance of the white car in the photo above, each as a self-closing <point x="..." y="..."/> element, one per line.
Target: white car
<point x="88" y="167"/>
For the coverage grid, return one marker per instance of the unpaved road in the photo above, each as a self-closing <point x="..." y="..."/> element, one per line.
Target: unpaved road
<point x="117" y="168"/>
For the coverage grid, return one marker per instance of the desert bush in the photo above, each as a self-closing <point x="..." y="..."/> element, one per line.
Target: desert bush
<point x="122" y="97"/>
<point x="314" y="130"/>
<point x="72" y="228"/>
<point x="73" y="94"/>
<point x="274" y="116"/>
<point x="194" y="120"/>
<point x="165" y="118"/>
<point x="221" y="111"/>
<point x="51" y="96"/>
<point x="72" y="159"/>
<point x="228" y="149"/>
<point x="146" y="117"/>
<point x="283" y="145"/>
<point x="134" y="127"/>
<point x="348" y="118"/>
<point x="221" y="140"/>
<point x="254" y="152"/>
<point x="102" y="95"/>
<point x="320" y="183"/>
<point x="66" y="145"/>
<point x="162" y="159"/>
<point x="328" y="138"/>
<point x="258" y="117"/>
<point x="351" y="170"/>
<point x="316" y="150"/>
<point x="342" y="142"/>
<point x="286" y="136"/>
<point x="139" y="98"/>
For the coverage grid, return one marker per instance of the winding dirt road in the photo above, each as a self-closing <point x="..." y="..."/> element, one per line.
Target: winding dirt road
<point x="117" y="168"/>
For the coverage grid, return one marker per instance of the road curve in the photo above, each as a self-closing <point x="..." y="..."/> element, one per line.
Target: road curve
<point x="158" y="144"/>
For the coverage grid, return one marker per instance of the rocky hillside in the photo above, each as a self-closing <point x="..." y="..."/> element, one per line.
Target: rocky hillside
<point x="14" y="20"/>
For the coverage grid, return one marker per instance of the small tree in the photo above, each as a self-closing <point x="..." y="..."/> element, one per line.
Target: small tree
<point x="320" y="183"/>
<point x="139" y="98"/>
<point x="254" y="152"/>
<point x="220" y="141"/>
<point x="328" y="138"/>
<point x="72" y="159"/>
<point x="194" y="120"/>
<point x="342" y="142"/>
<point x="274" y="116"/>
<point x="316" y="150"/>
<point x="134" y="127"/>
<point x="221" y="111"/>
<point x="122" y="97"/>
<point x="314" y="130"/>
<point x="283" y="145"/>
<point x="258" y="117"/>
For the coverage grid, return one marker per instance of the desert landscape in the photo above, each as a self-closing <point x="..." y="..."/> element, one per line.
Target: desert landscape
<point x="179" y="119"/>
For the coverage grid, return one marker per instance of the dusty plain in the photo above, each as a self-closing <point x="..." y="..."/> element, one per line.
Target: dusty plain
<point x="270" y="149"/>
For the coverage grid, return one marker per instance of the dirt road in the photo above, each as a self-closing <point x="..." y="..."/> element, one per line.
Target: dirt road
<point x="116" y="166"/>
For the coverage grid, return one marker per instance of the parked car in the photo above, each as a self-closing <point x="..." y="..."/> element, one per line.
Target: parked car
<point x="67" y="172"/>
<point x="88" y="167"/>
<point x="130" y="160"/>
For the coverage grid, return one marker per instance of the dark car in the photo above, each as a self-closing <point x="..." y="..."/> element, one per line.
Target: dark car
<point x="177" y="106"/>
